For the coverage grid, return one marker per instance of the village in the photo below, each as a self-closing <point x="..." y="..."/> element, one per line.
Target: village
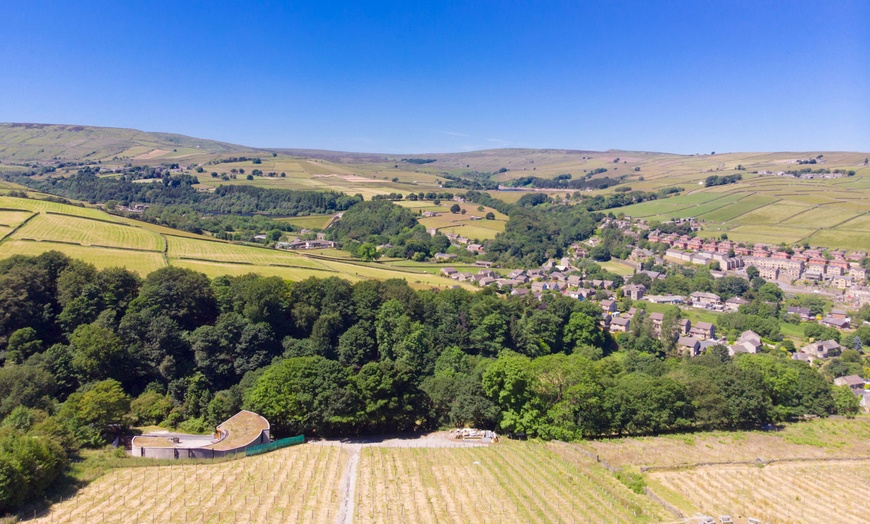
<point x="833" y="274"/>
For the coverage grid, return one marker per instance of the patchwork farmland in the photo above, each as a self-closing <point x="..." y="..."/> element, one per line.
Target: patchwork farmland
<point x="772" y="210"/>
<point x="32" y="227"/>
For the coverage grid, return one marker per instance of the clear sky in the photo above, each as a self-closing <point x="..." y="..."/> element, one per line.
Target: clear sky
<point x="439" y="76"/>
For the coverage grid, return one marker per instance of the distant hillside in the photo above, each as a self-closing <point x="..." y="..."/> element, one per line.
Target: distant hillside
<point x="43" y="142"/>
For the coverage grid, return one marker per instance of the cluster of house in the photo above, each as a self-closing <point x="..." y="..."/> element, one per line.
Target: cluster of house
<point x="297" y="243"/>
<point x="134" y="208"/>
<point x="460" y="242"/>
<point x="837" y="318"/>
<point x="841" y="270"/>
<point x="805" y="176"/>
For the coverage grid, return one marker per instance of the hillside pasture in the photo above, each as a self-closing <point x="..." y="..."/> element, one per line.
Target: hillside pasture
<point x="829" y="216"/>
<point x="768" y="234"/>
<point x="224" y="252"/>
<point x="298" y="484"/>
<point x="840" y="238"/>
<point x="738" y="208"/>
<point x="859" y="223"/>
<point x="43" y="206"/>
<point x="774" y="213"/>
<point x="13" y="218"/>
<point x="87" y="232"/>
<point x="141" y="262"/>
<point x="308" y="222"/>
<point x="216" y="269"/>
<point x="463" y="224"/>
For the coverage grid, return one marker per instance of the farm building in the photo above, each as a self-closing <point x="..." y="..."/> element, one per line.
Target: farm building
<point x="241" y="431"/>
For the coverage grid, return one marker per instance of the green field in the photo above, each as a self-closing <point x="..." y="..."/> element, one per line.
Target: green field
<point x="840" y="238"/>
<point x="60" y="228"/>
<point x="42" y="206"/>
<point x="13" y="218"/>
<point x="138" y="261"/>
<point x="180" y="248"/>
<point x="459" y="223"/>
<point x="736" y="209"/>
<point x="308" y="222"/>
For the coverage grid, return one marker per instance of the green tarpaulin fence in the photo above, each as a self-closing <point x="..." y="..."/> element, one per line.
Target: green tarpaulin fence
<point x="272" y="446"/>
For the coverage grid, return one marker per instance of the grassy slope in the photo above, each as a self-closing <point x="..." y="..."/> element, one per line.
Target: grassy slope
<point x="92" y="235"/>
<point x="29" y="142"/>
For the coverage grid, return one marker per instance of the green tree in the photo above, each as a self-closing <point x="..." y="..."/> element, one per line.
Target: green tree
<point x="367" y="252"/>
<point x="104" y="404"/>
<point x="295" y="395"/>
<point x="183" y="295"/>
<point x="583" y="330"/>
<point x="357" y="345"/>
<point x="97" y="353"/>
<point x="22" y="344"/>
<point x="846" y="403"/>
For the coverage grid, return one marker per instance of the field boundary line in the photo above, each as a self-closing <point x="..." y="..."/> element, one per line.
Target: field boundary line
<point x="756" y="463"/>
<point x="849" y="220"/>
<point x="19" y="226"/>
<point x="751" y="210"/>
<point x="100" y="246"/>
<point x="87" y="218"/>
<point x="241" y="263"/>
<point x="799" y="213"/>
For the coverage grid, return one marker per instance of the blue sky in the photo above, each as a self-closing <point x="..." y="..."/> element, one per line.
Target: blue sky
<point x="408" y="76"/>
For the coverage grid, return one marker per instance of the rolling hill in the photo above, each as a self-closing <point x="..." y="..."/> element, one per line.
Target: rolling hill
<point x="760" y="208"/>
<point x="21" y="142"/>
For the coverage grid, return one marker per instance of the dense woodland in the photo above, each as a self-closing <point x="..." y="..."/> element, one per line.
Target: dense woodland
<point x="88" y="352"/>
<point x="178" y="190"/>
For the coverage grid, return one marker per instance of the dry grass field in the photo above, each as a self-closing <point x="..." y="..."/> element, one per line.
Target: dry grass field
<point x="814" y="471"/>
<point x="13" y="218"/>
<point x="508" y="482"/>
<point x="298" y="484"/>
<point x="807" y="472"/>
<point x="776" y="493"/>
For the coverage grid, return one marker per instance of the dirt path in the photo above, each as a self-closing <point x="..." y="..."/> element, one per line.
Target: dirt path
<point x="348" y="486"/>
<point x="440" y="439"/>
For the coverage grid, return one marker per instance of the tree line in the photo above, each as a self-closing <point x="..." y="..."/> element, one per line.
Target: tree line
<point x="178" y="190"/>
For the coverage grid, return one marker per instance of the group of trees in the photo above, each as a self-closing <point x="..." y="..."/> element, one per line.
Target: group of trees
<point x="380" y="222"/>
<point x="561" y="182"/>
<point x="178" y="190"/>
<point x="534" y="235"/>
<point x="225" y="227"/>
<point x="716" y="180"/>
<point x="619" y="199"/>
